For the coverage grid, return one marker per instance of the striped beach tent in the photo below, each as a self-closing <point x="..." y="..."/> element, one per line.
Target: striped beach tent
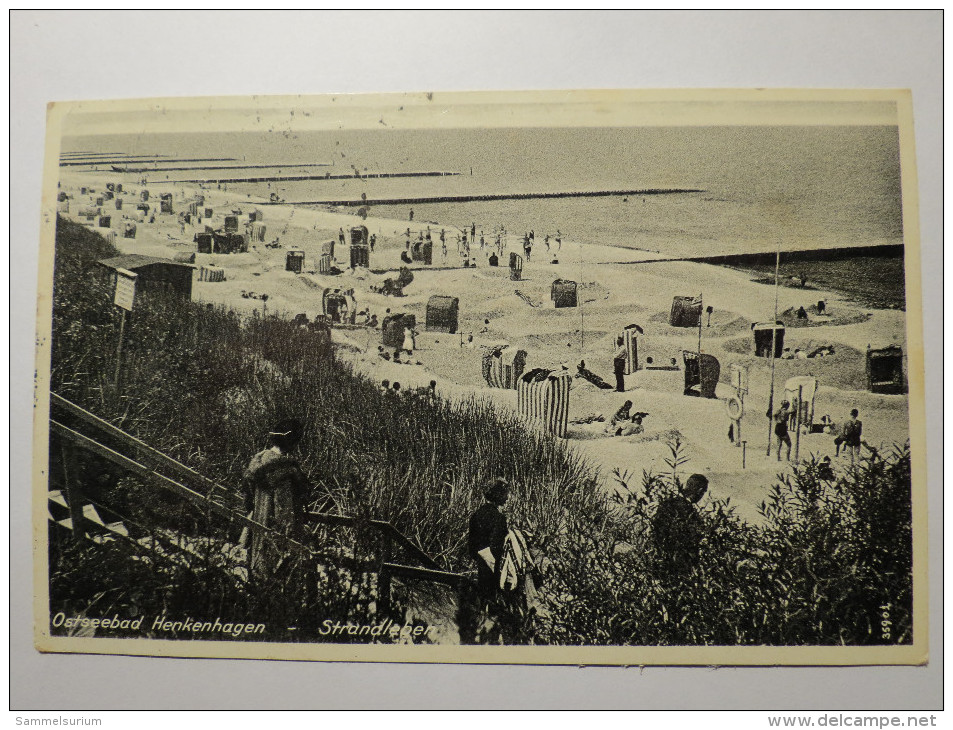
<point x="631" y="334"/>
<point x="211" y="273"/>
<point x="542" y="399"/>
<point x="324" y="263"/>
<point x="503" y="366"/>
<point x="360" y="256"/>
<point x="257" y="230"/>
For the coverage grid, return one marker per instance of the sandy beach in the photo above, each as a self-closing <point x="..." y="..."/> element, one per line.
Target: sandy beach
<point x="618" y="286"/>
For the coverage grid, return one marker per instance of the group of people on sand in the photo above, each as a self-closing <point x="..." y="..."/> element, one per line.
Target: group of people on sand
<point x="428" y="392"/>
<point x="847" y="435"/>
<point x="624" y="422"/>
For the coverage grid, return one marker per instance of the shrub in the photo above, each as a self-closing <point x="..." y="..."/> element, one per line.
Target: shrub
<point x="828" y="555"/>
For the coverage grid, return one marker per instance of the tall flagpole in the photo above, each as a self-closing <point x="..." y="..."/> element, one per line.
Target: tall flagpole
<point x="774" y="344"/>
<point x="701" y="309"/>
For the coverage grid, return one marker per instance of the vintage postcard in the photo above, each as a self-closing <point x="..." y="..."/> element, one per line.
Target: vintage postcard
<point x="581" y="377"/>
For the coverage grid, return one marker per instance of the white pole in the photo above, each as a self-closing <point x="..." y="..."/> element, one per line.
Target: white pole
<point x="774" y="339"/>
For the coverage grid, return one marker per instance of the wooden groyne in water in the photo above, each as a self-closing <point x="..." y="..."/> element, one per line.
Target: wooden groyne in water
<point x="493" y="196"/>
<point x="126" y="161"/>
<point x="222" y="167"/>
<point x="299" y="178"/>
<point x="766" y="258"/>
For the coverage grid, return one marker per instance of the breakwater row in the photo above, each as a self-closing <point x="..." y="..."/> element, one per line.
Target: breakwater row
<point x="495" y="196"/>
<point x="127" y="160"/>
<point x="299" y="178"/>
<point x="221" y="167"/>
<point x="767" y="258"/>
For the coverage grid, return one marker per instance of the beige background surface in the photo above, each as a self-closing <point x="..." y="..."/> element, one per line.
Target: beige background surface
<point x="562" y="46"/>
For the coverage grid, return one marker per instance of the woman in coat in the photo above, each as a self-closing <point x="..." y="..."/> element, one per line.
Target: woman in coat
<point x="276" y="492"/>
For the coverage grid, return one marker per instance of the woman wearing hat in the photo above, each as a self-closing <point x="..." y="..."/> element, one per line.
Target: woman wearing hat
<point x="275" y="496"/>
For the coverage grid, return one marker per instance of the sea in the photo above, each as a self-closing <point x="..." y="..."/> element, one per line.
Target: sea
<point x="800" y="187"/>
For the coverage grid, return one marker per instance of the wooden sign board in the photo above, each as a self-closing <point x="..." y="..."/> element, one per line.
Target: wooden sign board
<point x="125" y="289"/>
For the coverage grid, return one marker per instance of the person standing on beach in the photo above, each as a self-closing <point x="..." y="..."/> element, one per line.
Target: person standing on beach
<point x="618" y="365"/>
<point x="851" y="433"/>
<point x="409" y="343"/>
<point x="559" y="240"/>
<point x="411" y="214"/>
<point x="781" y="419"/>
<point x="276" y="493"/>
<point x="341" y="235"/>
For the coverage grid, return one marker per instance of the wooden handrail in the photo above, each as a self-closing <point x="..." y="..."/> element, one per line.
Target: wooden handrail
<point x="385" y="528"/>
<point x="433" y="576"/>
<point x="163" y="481"/>
<point x="142" y="448"/>
<point x="156" y="459"/>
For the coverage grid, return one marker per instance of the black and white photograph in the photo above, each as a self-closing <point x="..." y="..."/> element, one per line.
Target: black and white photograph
<point x="547" y="377"/>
